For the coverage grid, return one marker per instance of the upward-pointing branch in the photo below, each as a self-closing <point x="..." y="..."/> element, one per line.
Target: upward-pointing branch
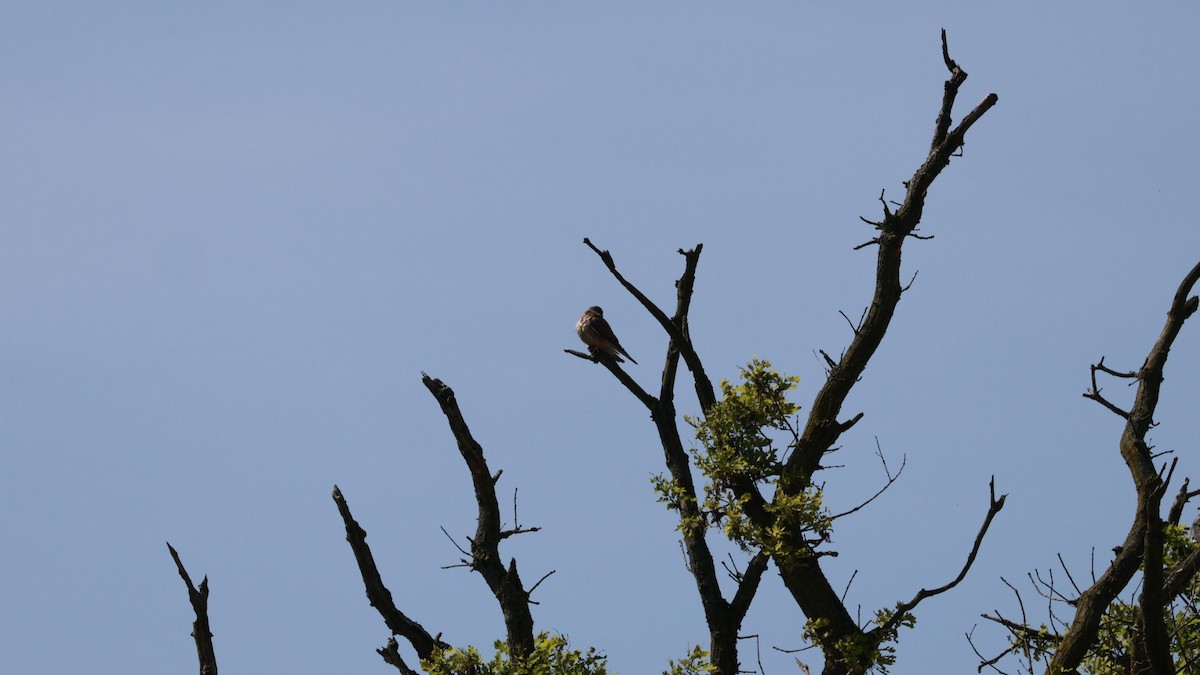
<point x="380" y="597"/>
<point x="1090" y="606"/>
<point x="724" y="618"/>
<point x="805" y="579"/>
<point x="200" y="628"/>
<point x="504" y="582"/>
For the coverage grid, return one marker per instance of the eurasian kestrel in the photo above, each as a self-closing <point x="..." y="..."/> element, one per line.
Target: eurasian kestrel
<point x="597" y="334"/>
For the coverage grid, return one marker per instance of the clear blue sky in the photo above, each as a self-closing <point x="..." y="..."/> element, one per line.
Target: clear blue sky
<point x="232" y="235"/>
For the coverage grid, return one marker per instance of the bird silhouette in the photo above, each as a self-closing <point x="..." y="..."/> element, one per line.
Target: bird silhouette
<point x="597" y="334"/>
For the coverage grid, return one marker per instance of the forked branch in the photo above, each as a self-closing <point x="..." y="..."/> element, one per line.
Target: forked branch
<point x="1131" y="555"/>
<point x="807" y="582"/>
<point x="723" y="617"/>
<point x="200" y="628"/>
<point x="676" y="327"/>
<point x="504" y="582"/>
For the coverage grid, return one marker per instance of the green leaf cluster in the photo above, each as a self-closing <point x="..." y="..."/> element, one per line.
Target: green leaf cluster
<point x="738" y="446"/>
<point x="552" y="655"/>
<point x="734" y="434"/>
<point x="1111" y="653"/>
<point x="870" y="651"/>
<point x="696" y="663"/>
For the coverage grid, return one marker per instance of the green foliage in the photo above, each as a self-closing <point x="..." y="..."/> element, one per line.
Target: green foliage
<point x="737" y="447"/>
<point x="795" y="513"/>
<point x="696" y="663"/>
<point x="866" y="652"/>
<point x="1118" y="630"/>
<point x="552" y="655"/>
<point x="884" y="653"/>
<point x="733" y="433"/>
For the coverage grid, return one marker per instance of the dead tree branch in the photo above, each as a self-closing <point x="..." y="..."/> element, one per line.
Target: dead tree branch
<point x="201" y="631"/>
<point x="504" y="582"/>
<point x="1181" y="499"/>
<point x="1095" y="599"/>
<point x="806" y="581"/>
<point x="994" y="507"/>
<point x="391" y="656"/>
<point x="380" y="597"/>
<point x="676" y="327"/>
<point x="723" y="617"/>
<point x="891" y="478"/>
<point x="801" y="573"/>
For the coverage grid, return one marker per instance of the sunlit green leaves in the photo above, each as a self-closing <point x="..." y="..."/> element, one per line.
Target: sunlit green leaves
<point x="552" y="655"/>
<point x="742" y="442"/>
<point x="696" y="663"/>
<point x="1118" y="631"/>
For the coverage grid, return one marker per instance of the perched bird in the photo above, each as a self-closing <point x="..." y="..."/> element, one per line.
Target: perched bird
<point x="597" y="334"/>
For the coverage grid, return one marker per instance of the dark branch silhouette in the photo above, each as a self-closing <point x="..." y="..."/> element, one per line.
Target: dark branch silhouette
<point x="723" y="617"/>
<point x="802" y="575"/>
<point x="381" y="598"/>
<point x="1092" y="603"/>
<point x="994" y="507"/>
<point x="504" y="581"/>
<point x="795" y="545"/>
<point x="200" y="628"/>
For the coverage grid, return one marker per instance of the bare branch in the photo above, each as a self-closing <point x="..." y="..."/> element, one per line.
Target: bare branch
<point x="849" y="581"/>
<point x="504" y="582"/>
<point x="1068" y="573"/>
<point x="890" y="479"/>
<point x="391" y="656"/>
<point x="676" y="328"/>
<point x="853" y="328"/>
<point x="807" y="582"/>
<point x="723" y="617"/>
<point x="1024" y="621"/>
<point x="957" y="77"/>
<point x="1094" y="392"/>
<point x="994" y="507"/>
<point x="624" y="378"/>
<point x="539" y="582"/>
<point x="985" y="662"/>
<point x="466" y="555"/>
<point x="1181" y="499"/>
<point x="201" y="631"/>
<point x="757" y="652"/>
<point x="377" y="593"/>
<point x="1137" y="455"/>
<point x="828" y="359"/>
<point x="1124" y="374"/>
<point x="1153" y="600"/>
